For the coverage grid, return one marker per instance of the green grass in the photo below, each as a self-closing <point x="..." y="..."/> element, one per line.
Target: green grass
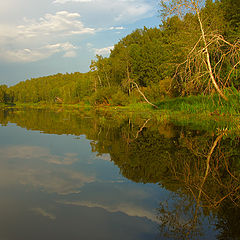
<point x="197" y="112"/>
<point x="208" y="111"/>
<point x="203" y="104"/>
<point x="208" y="105"/>
<point x="138" y="107"/>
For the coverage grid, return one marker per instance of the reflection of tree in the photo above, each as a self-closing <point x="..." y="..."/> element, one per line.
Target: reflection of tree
<point x="3" y="116"/>
<point x="147" y="157"/>
<point x="228" y="221"/>
<point x="215" y="175"/>
<point x="177" y="217"/>
<point x="200" y="168"/>
<point x="212" y="178"/>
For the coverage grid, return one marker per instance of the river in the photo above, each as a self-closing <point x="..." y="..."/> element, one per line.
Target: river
<point x="101" y="176"/>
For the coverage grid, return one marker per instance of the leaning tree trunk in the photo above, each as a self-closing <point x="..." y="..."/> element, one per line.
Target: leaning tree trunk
<point x="208" y="59"/>
<point x="143" y="95"/>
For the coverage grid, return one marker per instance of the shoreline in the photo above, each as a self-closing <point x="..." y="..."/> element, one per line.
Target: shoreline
<point x="199" y="120"/>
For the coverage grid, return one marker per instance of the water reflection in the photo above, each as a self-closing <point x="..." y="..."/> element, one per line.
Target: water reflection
<point x="36" y="166"/>
<point x="191" y="177"/>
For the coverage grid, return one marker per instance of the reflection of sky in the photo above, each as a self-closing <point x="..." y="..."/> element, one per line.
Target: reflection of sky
<point x="56" y="182"/>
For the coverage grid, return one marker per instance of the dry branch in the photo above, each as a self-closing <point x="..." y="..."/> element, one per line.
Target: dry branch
<point x="143" y="95"/>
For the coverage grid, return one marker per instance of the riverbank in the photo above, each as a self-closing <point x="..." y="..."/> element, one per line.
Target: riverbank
<point x="203" y="112"/>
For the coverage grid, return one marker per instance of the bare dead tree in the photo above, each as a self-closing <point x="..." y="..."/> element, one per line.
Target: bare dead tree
<point x="199" y="56"/>
<point x="142" y="127"/>
<point x="145" y="98"/>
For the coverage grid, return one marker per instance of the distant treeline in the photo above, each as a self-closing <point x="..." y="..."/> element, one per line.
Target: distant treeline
<point x="167" y="61"/>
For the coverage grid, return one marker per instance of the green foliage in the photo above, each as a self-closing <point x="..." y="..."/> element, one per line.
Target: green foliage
<point x="153" y="59"/>
<point x="207" y="104"/>
<point x="109" y="96"/>
<point x="119" y="99"/>
<point x="3" y="89"/>
<point x="101" y="96"/>
<point x="6" y="95"/>
<point x="68" y="88"/>
<point x="231" y="14"/>
<point x="158" y="91"/>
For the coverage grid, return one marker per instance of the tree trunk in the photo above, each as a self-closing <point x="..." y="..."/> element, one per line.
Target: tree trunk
<point x="208" y="58"/>
<point x="143" y="95"/>
<point x="129" y="80"/>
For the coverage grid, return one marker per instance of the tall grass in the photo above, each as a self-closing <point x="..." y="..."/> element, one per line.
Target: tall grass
<point x="203" y="104"/>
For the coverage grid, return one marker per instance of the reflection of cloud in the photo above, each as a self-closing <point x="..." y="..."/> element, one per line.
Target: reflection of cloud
<point x="126" y="208"/>
<point x="37" y="167"/>
<point x="35" y="152"/>
<point x="26" y="152"/>
<point x="117" y="196"/>
<point x="62" y="181"/>
<point x="44" y="213"/>
<point x="66" y="159"/>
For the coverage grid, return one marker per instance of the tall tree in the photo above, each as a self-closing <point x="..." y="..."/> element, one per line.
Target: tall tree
<point x="209" y="38"/>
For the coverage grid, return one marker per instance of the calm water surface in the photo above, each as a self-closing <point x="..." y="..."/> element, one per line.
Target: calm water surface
<point x="66" y="175"/>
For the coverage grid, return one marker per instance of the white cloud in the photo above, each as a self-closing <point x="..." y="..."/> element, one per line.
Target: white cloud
<point x="116" y="28"/>
<point x="109" y="11"/>
<point x="33" y="55"/>
<point x="36" y="39"/>
<point x="65" y="1"/>
<point x="62" y="23"/>
<point x="99" y="51"/>
<point x="89" y="45"/>
<point x="70" y="54"/>
<point x="101" y="29"/>
<point x="103" y="51"/>
<point x="134" y="11"/>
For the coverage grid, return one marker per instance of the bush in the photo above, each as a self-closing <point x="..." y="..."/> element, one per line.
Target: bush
<point x="119" y="99"/>
<point x="158" y="91"/>
<point x="101" y="96"/>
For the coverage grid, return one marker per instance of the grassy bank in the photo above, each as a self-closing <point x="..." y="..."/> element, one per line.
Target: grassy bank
<point x="196" y="111"/>
<point x="212" y="105"/>
<point x="203" y="104"/>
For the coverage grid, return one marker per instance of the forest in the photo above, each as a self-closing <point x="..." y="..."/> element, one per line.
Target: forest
<point x="194" y="52"/>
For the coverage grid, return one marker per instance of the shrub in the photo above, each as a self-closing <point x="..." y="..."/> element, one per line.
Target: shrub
<point x="119" y="99"/>
<point x="158" y="91"/>
<point x="101" y="96"/>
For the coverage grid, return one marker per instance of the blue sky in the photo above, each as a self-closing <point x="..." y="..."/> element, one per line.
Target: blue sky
<point x="39" y="38"/>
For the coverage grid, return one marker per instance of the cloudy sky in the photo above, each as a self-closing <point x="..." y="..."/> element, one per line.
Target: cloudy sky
<point x="39" y="38"/>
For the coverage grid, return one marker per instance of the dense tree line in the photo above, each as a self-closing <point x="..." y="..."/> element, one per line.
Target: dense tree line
<point x="6" y="95"/>
<point x="167" y="61"/>
<point x="69" y="88"/>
